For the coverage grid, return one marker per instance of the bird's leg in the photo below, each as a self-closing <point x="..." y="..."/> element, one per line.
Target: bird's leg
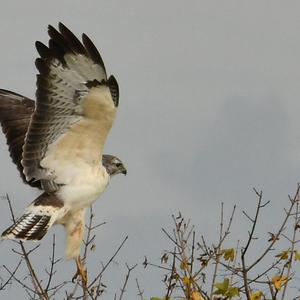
<point x="81" y="271"/>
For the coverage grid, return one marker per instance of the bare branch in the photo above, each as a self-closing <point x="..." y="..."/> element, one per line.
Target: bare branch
<point x="109" y="262"/>
<point x="140" y="292"/>
<point x="12" y="274"/>
<point x="129" y="270"/>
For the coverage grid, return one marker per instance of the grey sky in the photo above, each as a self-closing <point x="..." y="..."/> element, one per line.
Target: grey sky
<point x="209" y="108"/>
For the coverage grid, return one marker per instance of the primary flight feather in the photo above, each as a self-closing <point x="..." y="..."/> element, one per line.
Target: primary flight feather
<point x="57" y="141"/>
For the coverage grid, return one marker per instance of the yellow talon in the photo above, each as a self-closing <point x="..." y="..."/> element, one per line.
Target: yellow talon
<point x="81" y="271"/>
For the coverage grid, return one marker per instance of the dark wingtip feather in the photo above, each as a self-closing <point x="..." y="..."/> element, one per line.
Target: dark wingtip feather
<point x="92" y="51"/>
<point x="114" y="89"/>
<point x="57" y="50"/>
<point x="42" y="49"/>
<point x="42" y="66"/>
<point x="59" y="39"/>
<point x="63" y="41"/>
<point x="73" y="41"/>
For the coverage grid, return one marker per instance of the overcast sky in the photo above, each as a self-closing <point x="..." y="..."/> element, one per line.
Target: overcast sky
<point x="209" y="108"/>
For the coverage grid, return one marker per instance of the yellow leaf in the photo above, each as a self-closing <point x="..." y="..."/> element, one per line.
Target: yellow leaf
<point x="256" y="295"/>
<point x="296" y="255"/>
<point x="196" y="296"/>
<point x="278" y="281"/>
<point x="184" y="264"/>
<point x="186" y="280"/>
<point x="283" y="255"/>
<point x="229" y="254"/>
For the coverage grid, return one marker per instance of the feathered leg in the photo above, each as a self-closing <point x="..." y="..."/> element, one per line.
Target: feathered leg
<point x="74" y="225"/>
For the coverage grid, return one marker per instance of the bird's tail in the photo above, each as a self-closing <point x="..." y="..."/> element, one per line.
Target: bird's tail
<point x="37" y="219"/>
<point x="28" y="227"/>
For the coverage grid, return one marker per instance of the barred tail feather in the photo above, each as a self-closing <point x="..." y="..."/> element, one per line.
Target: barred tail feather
<point x="38" y="218"/>
<point x="28" y="227"/>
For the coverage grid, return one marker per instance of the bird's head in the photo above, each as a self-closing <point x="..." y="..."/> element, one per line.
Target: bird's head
<point x="113" y="165"/>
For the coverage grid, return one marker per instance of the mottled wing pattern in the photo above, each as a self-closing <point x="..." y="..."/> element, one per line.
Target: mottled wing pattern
<point x="15" y="115"/>
<point x="76" y="106"/>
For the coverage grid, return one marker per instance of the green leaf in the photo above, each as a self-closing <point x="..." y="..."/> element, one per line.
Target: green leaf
<point x="232" y="292"/>
<point x="222" y="287"/>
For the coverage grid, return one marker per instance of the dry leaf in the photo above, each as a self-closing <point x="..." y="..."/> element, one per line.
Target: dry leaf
<point x="186" y="280"/>
<point x="196" y="296"/>
<point x="296" y="255"/>
<point x="256" y="295"/>
<point x="278" y="281"/>
<point x="283" y="255"/>
<point x="229" y="254"/>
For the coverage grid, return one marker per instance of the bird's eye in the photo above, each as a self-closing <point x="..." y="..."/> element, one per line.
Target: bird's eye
<point x="118" y="165"/>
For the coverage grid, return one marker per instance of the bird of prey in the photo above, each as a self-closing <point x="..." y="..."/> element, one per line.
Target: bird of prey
<point x="57" y="141"/>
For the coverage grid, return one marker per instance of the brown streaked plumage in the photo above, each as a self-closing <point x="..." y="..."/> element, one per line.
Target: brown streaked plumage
<point x="57" y="142"/>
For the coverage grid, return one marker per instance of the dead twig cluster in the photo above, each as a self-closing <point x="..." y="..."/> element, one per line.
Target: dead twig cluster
<point x="193" y="270"/>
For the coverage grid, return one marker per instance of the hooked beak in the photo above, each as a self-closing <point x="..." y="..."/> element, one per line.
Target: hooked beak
<point x="124" y="171"/>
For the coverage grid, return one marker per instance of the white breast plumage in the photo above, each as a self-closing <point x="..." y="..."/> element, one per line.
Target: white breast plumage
<point x="84" y="189"/>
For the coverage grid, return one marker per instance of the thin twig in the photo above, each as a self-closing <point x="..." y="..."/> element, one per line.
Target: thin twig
<point x="3" y="285"/>
<point x="129" y="270"/>
<point x="217" y="250"/>
<point x="109" y="262"/>
<point x="289" y="264"/>
<point x="53" y="262"/>
<point x="20" y="281"/>
<point x="293" y="201"/>
<point x="250" y="238"/>
<point x="140" y="292"/>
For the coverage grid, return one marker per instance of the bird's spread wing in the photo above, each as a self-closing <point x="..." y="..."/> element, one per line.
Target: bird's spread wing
<point x="15" y="115"/>
<point x="75" y="108"/>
